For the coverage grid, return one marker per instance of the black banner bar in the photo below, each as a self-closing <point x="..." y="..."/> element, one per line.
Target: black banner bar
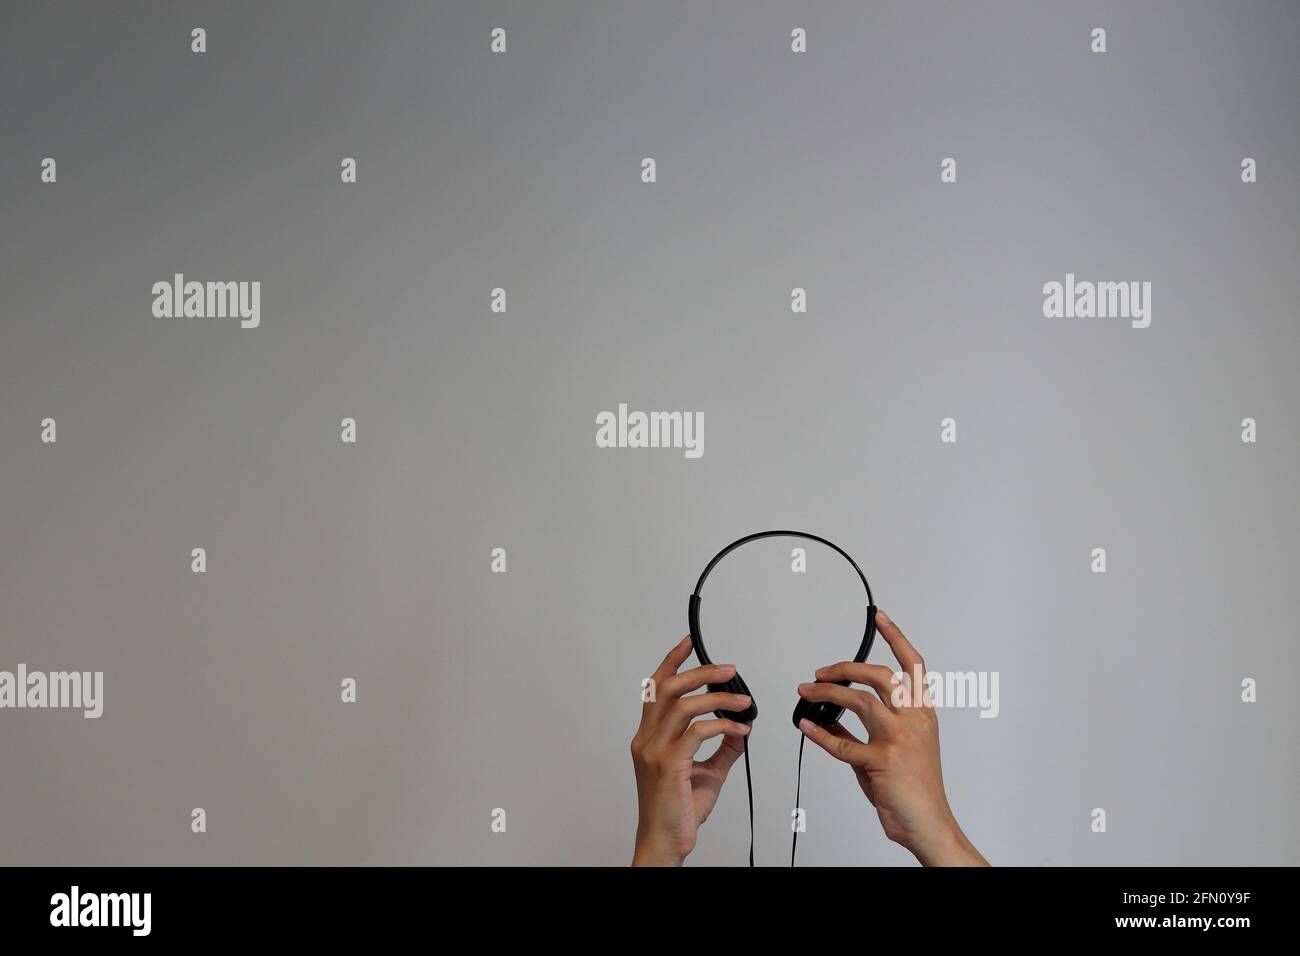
<point x="206" y="905"/>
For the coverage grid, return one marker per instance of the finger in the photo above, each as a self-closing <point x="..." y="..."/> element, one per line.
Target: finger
<point x="844" y="748"/>
<point x="703" y="730"/>
<point x="666" y="671"/>
<point x="907" y="655"/>
<point x="867" y="706"/>
<point x="668" y="667"/>
<point x="674" y="659"/>
<point x="670" y="688"/>
<point x="725" y="756"/>
<point x="680" y="714"/>
<point x="879" y="678"/>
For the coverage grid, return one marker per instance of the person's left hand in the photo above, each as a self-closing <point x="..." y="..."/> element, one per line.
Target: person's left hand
<point x="676" y="792"/>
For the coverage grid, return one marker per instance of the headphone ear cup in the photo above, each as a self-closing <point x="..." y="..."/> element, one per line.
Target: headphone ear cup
<point x="821" y="712"/>
<point x="736" y="686"/>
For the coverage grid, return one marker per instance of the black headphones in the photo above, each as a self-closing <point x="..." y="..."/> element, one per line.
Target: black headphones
<point x="822" y="713"/>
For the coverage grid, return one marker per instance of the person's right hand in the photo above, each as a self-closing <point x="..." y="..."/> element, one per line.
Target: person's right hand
<point x="676" y="792"/>
<point x="898" y="766"/>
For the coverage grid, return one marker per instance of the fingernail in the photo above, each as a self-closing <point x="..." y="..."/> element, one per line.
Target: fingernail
<point x="806" y="725"/>
<point x="819" y="672"/>
<point x="728" y="668"/>
<point x="748" y="728"/>
<point x="743" y="699"/>
<point x="805" y="687"/>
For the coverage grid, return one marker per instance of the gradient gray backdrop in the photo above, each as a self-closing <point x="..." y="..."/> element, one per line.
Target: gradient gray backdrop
<point x="476" y="430"/>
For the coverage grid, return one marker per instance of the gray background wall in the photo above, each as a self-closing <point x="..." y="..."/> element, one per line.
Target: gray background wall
<point x="481" y="690"/>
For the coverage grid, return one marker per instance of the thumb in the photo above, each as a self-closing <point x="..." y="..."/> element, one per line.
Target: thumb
<point x="864" y="778"/>
<point x="725" y="757"/>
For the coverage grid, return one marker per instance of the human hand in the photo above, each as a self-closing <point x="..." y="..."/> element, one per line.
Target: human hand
<point x="675" y="792"/>
<point x="898" y="766"/>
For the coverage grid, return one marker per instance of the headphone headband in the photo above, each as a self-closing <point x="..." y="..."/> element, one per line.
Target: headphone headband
<point x="699" y="585"/>
<point x="693" y="605"/>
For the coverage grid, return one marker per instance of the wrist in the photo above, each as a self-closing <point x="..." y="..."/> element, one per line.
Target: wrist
<point x="649" y="853"/>
<point x="947" y="845"/>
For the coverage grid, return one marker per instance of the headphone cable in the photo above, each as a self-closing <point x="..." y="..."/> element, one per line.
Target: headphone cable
<point x="749" y="789"/>
<point x="798" y="783"/>
<point x="749" y="786"/>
